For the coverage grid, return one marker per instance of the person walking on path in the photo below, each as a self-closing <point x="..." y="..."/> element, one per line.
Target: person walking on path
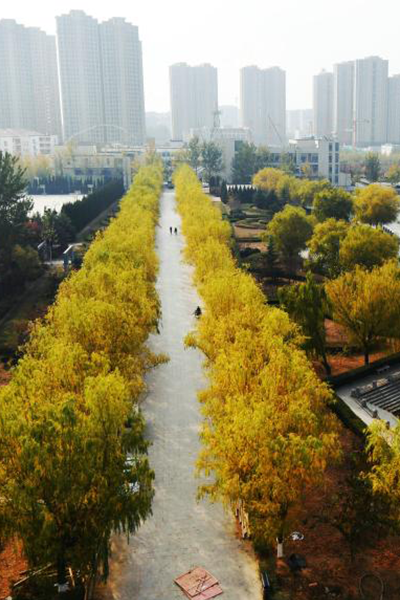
<point x="176" y="231"/>
<point x="170" y="230"/>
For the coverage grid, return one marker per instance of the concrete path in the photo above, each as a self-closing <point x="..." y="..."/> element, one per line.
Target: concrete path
<point x="182" y="533"/>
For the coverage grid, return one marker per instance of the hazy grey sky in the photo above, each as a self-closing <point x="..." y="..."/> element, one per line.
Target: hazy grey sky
<point x="301" y="36"/>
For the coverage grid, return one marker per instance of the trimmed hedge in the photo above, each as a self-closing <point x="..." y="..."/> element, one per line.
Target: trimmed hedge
<point x="82" y="212"/>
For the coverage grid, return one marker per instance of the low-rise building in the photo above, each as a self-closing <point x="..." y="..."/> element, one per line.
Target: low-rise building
<point x="85" y="162"/>
<point x="21" y="142"/>
<point x="228" y="139"/>
<point x="374" y="394"/>
<point x="314" y="158"/>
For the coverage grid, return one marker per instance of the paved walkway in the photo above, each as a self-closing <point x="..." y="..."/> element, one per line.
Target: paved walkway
<point x="182" y="533"/>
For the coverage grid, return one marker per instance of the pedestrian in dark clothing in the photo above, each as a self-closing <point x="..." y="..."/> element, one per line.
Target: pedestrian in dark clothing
<point x="197" y="312"/>
<point x="175" y="231"/>
<point x="170" y="229"/>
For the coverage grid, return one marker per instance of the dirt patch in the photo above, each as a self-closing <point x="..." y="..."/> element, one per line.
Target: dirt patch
<point x="336" y="334"/>
<point x="12" y="563"/>
<point x="260" y="245"/>
<point x="340" y="363"/>
<point x="4" y="375"/>
<point x="247" y="232"/>
<point x="329" y="563"/>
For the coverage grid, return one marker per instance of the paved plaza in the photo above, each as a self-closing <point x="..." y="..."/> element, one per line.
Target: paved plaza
<point x="182" y="533"/>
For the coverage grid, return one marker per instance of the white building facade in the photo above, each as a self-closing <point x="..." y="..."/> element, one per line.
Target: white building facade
<point x="81" y="77"/>
<point x="21" y="142"/>
<point x="320" y="156"/>
<point x="263" y="104"/>
<point x="323" y="104"/>
<point x="29" y="93"/>
<point x="393" y="128"/>
<point x="370" y="101"/>
<point x="101" y="80"/>
<point x="194" y="98"/>
<point x="343" y="95"/>
<point x="122" y="73"/>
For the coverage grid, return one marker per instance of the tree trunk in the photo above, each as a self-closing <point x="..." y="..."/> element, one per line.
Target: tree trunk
<point x="366" y="356"/>
<point x="89" y="588"/>
<point x="326" y="364"/>
<point x="279" y="548"/>
<point x="62" y="584"/>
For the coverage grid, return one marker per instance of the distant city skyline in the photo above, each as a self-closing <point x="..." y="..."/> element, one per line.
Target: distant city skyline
<point x="298" y="37"/>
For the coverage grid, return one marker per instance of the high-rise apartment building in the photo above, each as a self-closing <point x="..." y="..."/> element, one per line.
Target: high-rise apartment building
<point x="251" y="112"/>
<point x="194" y="98"/>
<point x="121" y="52"/>
<point x="323" y="104"/>
<point x="263" y="104"/>
<point x="101" y="80"/>
<point x="393" y="129"/>
<point x="370" y="101"/>
<point x="343" y="96"/>
<point x="29" y="94"/>
<point x="81" y="77"/>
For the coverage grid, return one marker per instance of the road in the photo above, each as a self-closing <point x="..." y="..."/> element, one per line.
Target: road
<point x="182" y="532"/>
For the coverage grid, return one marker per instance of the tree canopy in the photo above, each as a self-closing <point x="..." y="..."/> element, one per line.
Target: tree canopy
<point x="247" y="161"/>
<point x="393" y="173"/>
<point x="384" y="452"/>
<point x="291" y="229"/>
<point x="194" y="152"/>
<point x="211" y="155"/>
<point x="268" y="179"/>
<point x="306" y="304"/>
<point x="266" y="431"/>
<point x="332" y="203"/>
<point x="324" y="246"/>
<point x="376" y="205"/>
<point x="372" y="166"/>
<point x="367" y="247"/>
<point x="14" y="206"/>
<point x="73" y="464"/>
<point x="366" y="303"/>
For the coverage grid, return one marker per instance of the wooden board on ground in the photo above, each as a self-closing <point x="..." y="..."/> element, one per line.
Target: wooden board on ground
<point x="199" y="584"/>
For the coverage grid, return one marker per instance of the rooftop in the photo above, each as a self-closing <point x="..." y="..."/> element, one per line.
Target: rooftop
<point x="20" y="133"/>
<point x="375" y="396"/>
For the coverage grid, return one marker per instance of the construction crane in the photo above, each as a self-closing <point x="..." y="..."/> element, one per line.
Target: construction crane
<point x="278" y="135"/>
<point x="216" y="122"/>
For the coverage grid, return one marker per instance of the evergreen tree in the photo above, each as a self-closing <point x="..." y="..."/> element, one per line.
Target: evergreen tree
<point x="211" y="156"/>
<point x="14" y="206"/>
<point x="271" y="256"/>
<point x="224" y="192"/>
<point x="306" y="304"/>
<point x="372" y="167"/>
